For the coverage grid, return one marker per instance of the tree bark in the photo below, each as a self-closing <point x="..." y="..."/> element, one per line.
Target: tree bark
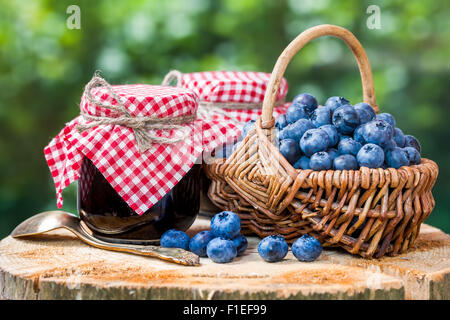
<point x="59" y="266"/>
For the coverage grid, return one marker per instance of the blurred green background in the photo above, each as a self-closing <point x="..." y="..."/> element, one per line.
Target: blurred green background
<point x="44" y="66"/>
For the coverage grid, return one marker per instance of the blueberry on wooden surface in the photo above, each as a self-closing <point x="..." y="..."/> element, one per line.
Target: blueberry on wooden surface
<point x="226" y="224"/>
<point x="221" y="250"/>
<point x="241" y="244"/>
<point x="175" y="239"/>
<point x="306" y="248"/>
<point x="273" y="248"/>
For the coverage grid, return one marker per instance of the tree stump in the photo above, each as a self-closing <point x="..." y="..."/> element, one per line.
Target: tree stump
<point x="59" y="266"/>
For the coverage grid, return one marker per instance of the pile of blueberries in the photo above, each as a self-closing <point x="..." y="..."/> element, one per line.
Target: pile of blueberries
<point x="224" y="242"/>
<point x="341" y="136"/>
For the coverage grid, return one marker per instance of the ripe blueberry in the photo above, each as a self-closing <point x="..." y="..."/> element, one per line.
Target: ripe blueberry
<point x="399" y="137"/>
<point x="226" y="224"/>
<point x="241" y="243"/>
<point x="175" y="239"/>
<point x="389" y="145"/>
<point x="314" y="140"/>
<point x="336" y="102"/>
<point x="413" y="155"/>
<point x="349" y="146"/>
<point x="302" y="163"/>
<point x="333" y="153"/>
<point x="296" y="130"/>
<point x="345" y="119"/>
<point x="273" y="248"/>
<point x="306" y="248"/>
<point x="320" y="161"/>
<point x="306" y="100"/>
<point x="321" y="116"/>
<point x="371" y="156"/>
<point x="369" y="112"/>
<point x="345" y="162"/>
<point x="358" y="135"/>
<point x="247" y="127"/>
<point x="290" y="150"/>
<point x="221" y="250"/>
<point x="386" y="117"/>
<point x="296" y="112"/>
<point x="332" y="133"/>
<point x="396" y="158"/>
<point x="199" y="242"/>
<point x="281" y="122"/>
<point x="411" y="141"/>
<point x="377" y="132"/>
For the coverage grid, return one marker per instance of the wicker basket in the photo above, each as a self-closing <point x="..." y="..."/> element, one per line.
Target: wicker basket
<point x="370" y="212"/>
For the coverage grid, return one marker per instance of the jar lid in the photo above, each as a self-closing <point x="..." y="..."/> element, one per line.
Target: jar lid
<point x="231" y="86"/>
<point x="111" y="121"/>
<point x="141" y="100"/>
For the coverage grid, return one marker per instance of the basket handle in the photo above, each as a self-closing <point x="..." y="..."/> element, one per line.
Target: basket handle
<point x="299" y="42"/>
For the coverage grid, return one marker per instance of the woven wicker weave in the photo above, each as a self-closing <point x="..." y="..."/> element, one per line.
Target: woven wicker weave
<point x="370" y="212"/>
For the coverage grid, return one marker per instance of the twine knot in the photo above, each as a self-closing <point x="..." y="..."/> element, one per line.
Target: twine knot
<point x="143" y="127"/>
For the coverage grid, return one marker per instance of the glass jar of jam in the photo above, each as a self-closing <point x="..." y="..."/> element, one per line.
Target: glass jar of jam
<point x="110" y="218"/>
<point x="131" y="145"/>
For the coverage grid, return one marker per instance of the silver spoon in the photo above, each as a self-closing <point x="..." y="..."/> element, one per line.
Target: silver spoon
<point x="52" y="220"/>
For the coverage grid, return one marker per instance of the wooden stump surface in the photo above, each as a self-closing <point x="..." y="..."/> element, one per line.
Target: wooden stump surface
<point x="59" y="266"/>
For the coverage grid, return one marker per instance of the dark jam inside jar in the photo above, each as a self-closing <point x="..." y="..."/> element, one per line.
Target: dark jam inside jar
<point x="110" y="218"/>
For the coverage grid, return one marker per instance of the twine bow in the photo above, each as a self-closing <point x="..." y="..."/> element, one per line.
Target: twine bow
<point x="143" y="127"/>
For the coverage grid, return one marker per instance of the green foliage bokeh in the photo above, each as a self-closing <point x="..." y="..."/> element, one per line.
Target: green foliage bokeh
<point x="44" y="66"/>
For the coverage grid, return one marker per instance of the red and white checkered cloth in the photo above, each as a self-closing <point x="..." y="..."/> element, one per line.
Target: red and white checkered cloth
<point x="232" y="87"/>
<point x="141" y="179"/>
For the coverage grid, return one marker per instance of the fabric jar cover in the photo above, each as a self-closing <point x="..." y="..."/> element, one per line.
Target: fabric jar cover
<point x="140" y="178"/>
<point x="229" y="99"/>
